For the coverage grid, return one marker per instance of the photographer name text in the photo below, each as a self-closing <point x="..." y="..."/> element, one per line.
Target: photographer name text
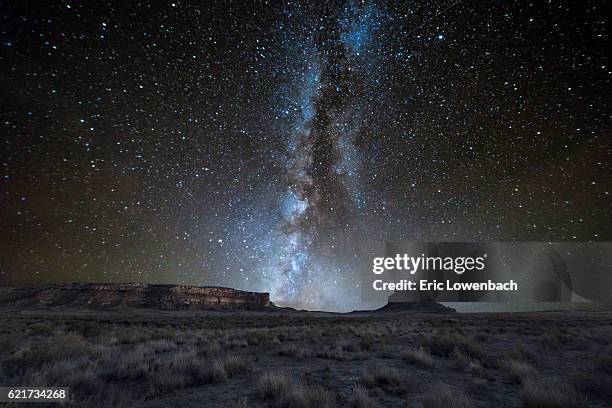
<point x="410" y="265"/>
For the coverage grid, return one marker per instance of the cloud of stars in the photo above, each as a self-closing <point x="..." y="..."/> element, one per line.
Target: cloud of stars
<point x="261" y="147"/>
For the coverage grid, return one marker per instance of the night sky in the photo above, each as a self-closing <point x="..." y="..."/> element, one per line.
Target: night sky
<point x="260" y="146"/>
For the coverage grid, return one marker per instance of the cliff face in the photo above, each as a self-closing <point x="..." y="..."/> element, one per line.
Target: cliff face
<point x="136" y="295"/>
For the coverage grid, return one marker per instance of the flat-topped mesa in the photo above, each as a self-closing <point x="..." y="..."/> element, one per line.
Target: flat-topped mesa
<point x="135" y="295"/>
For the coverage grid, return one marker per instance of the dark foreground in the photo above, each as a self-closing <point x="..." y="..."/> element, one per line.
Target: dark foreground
<point x="183" y="359"/>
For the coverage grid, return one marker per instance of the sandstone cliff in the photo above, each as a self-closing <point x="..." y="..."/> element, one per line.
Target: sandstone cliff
<point x="136" y="295"/>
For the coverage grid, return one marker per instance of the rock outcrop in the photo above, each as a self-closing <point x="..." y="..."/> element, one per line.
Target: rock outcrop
<point x="135" y="295"/>
<point x="417" y="307"/>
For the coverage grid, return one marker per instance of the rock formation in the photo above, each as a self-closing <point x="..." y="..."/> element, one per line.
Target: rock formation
<point x="417" y="307"/>
<point x="135" y="295"/>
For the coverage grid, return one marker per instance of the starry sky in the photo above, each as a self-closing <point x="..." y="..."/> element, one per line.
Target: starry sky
<point x="262" y="145"/>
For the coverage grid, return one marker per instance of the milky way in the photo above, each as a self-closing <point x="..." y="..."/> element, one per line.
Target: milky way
<point x="323" y="164"/>
<point x="263" y="147"/>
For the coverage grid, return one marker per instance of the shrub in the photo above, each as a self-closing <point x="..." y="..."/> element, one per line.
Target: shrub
<point x="307" y="397"/>
<point x="522" y="353"/>
<point x="87" y="329"/>
<point x="234" y="365"/>
<point x="360" y="398"/>
<point x="444" y="344"/>
<point x="594" y="384"/>
<point x="419" y="357"/>
<point x="442" y="396"/>
<point x="241" y="403"/>
<point x="272" y="385"/>
<point x="41" y="329"/>
<point x="367" y="341"/>
<point x="544" y="393"/>
<point x="604" y="364"/>
<point x="166" y="382"/>
<point x="211" y="372"/>
<point x="383" y="376"/>
<point x="258" y="337"/>
<point x="56" y="348"/>
<point x="161" y="345"/>
<point x="463" y="362"/>
<point x="518" y="371"/>
<point x="294" y="350"/>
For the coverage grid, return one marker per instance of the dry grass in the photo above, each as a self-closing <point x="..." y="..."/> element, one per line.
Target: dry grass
<point x="360" y="398"/>
<point x="153" y="359"/>
<point x="58" y="347"/>
<point x="420" y="357"/>
<point x="604" y="364"/>
<point x="295" y="350"/>
<point x="442" y="396"/>
<point x="235" y="365"/>
<point x="518" y="371"/>
<point x="273" y="385"/>
<point x="384" y="377"/>
<point x="523" y="353"/>
<point x="380" y="375"/>
<point x="307" y="397"/>
<point x="444" y="344"/>
<point x="463" y="362"/>
<point x="594" y="384"/>
<point x="549" y="393"/>
<point x="240" y="403"/>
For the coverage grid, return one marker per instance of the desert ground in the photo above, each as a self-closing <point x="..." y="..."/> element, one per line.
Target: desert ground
<point x="151" y="358"/>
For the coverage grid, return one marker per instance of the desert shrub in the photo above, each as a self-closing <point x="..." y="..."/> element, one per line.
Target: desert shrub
<point x="7" y="345"/>
<point x="86" y="328"/>
<point x="334" y="353"/>
<point x="58" y="371"/>
<point x="273" y="385"/>
<point x="462" y="361"/>
<point x="368" y="340"/>
<point x="240" y="403"/>
<point x="444" y="344"/>
<point x="209" y="372"/>
<point x="132" y="336"/>
<point x="234" y="365"/>
<point x="120" y="366"/>
<point x="518" y="371"/>
<point x="549" y="393"/>
<point x="183" y="370"/>
<point x="384" y="377"/>
<point x="293" y="350"/>
<point x="162" y="383"/>
<point x="602" y="336"/>
<point x="595" y="385"/>
<point x="236" y="343"/>
<point x="55" y="348"/>
<point x="307" y="397"/>
<point x="41" y="329"/>
<point x="209" y="349"/>
<point x="419" y="357"/>
<point x="551" y="340"/>
<point x="161" y="345"/>
<point x="110" y="395"/>
<point x="348" y="345"/>
<point x="164" y="333"/>
<point x="82" y="383"/>
<point x="360" y="398"/>
<point x="442" y="396"/>
<point x="258" y="337"/>
<point x="522" y="353"/>
<point x="604" y="364"/>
